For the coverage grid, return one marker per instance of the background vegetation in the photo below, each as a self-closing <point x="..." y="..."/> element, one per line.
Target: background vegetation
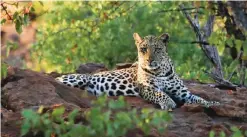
<point x="71" y="33"/>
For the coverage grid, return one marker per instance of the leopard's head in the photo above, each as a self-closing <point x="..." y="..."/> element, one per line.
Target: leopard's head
<point x="151" y="51"/>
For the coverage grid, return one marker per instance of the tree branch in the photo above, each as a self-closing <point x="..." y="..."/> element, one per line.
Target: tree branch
<point x="210" y="51"/>
<point x="239" y="12"/>
<point x="5" y="9"/>
<point x="242" y="73"/>
<point x="185" y="9"/>
<point x="221" y="81"/>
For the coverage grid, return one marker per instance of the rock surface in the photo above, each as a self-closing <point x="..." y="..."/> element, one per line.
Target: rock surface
<point x="29" y="89"/>
<point x="90" y="68"/>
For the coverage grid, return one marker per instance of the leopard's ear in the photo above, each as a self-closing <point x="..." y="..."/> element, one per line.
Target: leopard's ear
<point x="164" y="38"/>
<point x="137" y="38"/>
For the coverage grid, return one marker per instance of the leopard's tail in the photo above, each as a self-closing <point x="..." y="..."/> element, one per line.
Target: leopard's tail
<point x="74" y="80"/>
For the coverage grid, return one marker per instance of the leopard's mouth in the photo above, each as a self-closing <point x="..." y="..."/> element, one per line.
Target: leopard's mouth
<point x="151" y="69"/>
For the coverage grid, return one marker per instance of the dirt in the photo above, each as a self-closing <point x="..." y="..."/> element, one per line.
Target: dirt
<point x="28" y="89"/>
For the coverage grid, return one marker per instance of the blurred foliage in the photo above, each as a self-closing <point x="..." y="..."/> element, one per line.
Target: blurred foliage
<point x="236" y="132"/>
<point x="17" y="13"/>
<point x="3" y="70"/>
<point x="78" y="32"/>
<point x="71" y="33"/>
<point x="104" y="119"/>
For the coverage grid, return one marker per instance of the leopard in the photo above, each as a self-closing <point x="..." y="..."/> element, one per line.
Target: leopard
<point x="153" y="78"/>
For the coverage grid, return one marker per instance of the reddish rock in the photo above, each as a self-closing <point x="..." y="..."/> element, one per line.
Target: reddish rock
<point x="135" y="133"/>
<point x="192" y="108"/>
<point x="9" y="125"/>
<point x="29" y="89"/>
<point x="125" y="65"/>
<point x="233" y="106"/>
<point x="91" y="68"/>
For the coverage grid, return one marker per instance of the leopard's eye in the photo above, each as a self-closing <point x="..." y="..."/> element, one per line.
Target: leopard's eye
<point x="143" y="50"/>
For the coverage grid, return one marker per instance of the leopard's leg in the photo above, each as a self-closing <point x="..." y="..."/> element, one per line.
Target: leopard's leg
<point x="185" y="96"/>
<point x="194" y="99"/>
<point x="179" y="92"/>
<point x="74" y="80"/>
<point x="160" y="98"/>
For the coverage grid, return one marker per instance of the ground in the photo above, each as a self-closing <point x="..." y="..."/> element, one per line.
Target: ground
<point x="29" y="89"/>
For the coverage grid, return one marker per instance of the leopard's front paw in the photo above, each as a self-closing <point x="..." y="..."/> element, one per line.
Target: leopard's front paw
<point x="168" y="105"/>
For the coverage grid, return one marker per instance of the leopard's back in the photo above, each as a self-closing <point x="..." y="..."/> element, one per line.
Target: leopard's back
<point x="112" y="83"/>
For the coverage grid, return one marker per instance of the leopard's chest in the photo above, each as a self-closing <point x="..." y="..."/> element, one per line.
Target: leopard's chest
<point x="151" y="80"/>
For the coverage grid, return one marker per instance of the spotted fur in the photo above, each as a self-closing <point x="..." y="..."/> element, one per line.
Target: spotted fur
<point x="154" y="79"/>
<point x="113" y="83"/>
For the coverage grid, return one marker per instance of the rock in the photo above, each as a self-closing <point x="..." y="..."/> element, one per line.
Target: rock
<point x="192" y="108"/>
<point x="54" y="74"/>
<point x="27" y="88"/>
<point x="232" y="105"/>
<point x="125" y="65"/>
<point x="9" y="125"/>
<point x="135" y="133"/>
<point x="197" y="121"/>
<point x="91" y="68"/>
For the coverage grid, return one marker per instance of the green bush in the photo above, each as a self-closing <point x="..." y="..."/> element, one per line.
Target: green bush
<point x="79" y="32"/>
<point x="236" y="132"/>
<point x="71" y="33"/>
<point x="111" y="119"/>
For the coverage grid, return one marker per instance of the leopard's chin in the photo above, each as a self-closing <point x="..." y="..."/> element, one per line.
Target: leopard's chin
<point x="152" y="70"/>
